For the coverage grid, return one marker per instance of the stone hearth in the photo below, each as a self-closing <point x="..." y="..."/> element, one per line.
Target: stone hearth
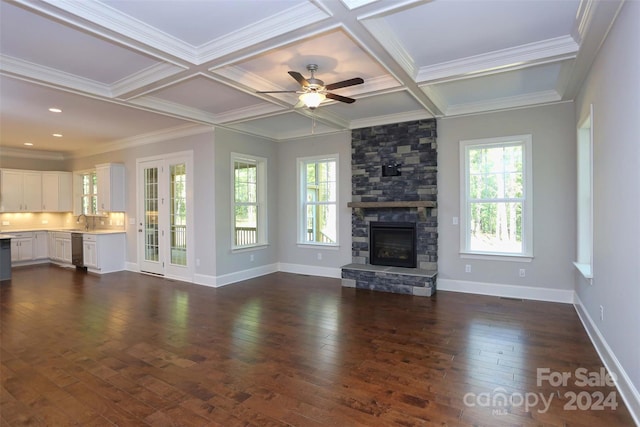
<point x="410" y="196"/>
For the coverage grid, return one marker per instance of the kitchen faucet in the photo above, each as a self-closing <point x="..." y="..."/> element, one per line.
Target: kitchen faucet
<point x="86" y="221"/>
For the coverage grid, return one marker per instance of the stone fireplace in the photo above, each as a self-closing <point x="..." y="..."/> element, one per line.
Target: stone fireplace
<point x="394" y="185"/>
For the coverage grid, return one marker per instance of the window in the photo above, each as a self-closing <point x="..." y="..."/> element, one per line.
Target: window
<point x="496" y="201"/>
<point x="89" y="195"/>
<point x="584" y="262"/>
<point x="318" y="214"/>
<point x="249" y="207"/>
<point x="178" y="213"/>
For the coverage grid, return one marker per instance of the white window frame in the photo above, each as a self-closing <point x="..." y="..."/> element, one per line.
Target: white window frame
<point x="261" y="200"/>
<point x="527" y="199"/>
<point x="584" y="209"/>
<point x="302" y="202"/>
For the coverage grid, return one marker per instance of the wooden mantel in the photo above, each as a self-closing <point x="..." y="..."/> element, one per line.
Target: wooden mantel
<point x="421" y="205"/>
<point x="398" y="204"/>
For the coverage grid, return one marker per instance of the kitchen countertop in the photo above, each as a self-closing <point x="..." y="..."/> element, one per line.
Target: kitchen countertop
<point x="5" y="236"/>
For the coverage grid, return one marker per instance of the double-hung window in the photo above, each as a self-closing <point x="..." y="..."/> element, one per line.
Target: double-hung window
<point x="249" y="201"/>
<point x="496" y="204"/>
<point x="89" y="195"/>
<point x="318" y="200"/>
<point x="584" y="263"/>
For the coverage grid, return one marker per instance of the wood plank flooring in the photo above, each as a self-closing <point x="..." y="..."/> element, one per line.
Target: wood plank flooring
<point x="283" y="350"/>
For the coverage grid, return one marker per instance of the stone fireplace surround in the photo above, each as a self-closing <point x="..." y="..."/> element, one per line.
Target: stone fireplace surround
<point x="408" y="197"/>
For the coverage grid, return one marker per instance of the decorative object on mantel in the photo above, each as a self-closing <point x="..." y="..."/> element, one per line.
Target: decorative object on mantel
<point x="392" y="169"/>
<point x="421" y="205"/>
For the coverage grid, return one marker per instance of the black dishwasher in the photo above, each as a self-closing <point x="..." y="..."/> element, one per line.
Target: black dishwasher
<point x="77" y="250"/>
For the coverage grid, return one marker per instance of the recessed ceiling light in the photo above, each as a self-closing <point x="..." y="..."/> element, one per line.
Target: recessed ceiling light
<point x="55" y="110"/>
<point x="28" y="144"/>
<point x="57" y="135"/>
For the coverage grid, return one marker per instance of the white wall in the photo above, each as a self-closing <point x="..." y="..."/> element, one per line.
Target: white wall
<point x="303" y="258"/>
<point x="613" y="87"/>
<point x="549" y="275"/>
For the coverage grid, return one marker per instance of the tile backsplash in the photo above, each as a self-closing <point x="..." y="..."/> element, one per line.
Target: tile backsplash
<point x="55" y="220"/>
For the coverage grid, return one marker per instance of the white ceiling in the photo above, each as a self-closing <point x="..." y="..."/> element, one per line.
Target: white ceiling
<point x="125" y="70"/>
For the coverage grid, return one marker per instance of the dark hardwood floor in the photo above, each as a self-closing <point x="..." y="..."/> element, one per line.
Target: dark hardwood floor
<point x="285" y="350"/>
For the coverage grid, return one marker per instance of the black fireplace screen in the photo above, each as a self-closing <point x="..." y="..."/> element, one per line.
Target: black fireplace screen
<point x="393" y="244"/>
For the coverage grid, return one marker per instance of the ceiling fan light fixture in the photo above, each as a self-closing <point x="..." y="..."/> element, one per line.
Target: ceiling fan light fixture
<point x="312" y="99"/>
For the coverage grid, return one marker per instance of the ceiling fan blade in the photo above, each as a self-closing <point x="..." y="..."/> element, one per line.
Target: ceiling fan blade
<point x="299" y="78"/>
<point x="345" y="83"/>
<point x="276" y="91"/>
<point x="300" y="104"/>
<point x="340" y="98"/>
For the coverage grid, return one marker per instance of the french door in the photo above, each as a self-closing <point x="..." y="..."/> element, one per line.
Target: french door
<point x="165" y="216"/>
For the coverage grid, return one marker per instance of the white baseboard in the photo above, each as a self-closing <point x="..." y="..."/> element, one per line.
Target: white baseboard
<point x="132" y="266"/>
<point x="629" y="392"/>
<point x="204" y="280"/>
<point x="510" y="291"/>
<point x="237" y="276"/>
<point x="310" y="270"/>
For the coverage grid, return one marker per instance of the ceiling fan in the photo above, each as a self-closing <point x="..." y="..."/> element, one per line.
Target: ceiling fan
<point x="313" y="91"/>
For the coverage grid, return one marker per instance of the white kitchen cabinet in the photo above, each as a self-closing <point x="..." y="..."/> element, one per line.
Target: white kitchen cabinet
<point x="61" y="250"/>
<point x="90" y="251"/>
<point x="40" y="245"/>
<point x="20" y="190"/>
<point x="57" y="192"/>
<point x="111" y="187"/>
<point x="21" y="247"/>
<point x="104" y="253"/>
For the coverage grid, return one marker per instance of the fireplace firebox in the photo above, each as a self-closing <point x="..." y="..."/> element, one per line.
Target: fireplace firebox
<point x="393" y="244"/>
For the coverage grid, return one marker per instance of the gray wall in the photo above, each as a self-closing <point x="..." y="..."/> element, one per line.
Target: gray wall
<point x="613" y="87"/>
<point x="202" y="146"/>
<point x="304" y="258"/>
<point x="554" y="203"/>
<point x="33" y="163"/>
<point x="228" y="142"/>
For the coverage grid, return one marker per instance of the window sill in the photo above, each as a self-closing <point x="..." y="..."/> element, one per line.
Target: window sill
<point x="308" y="245"/>
<point x="585" y="270"/>
<point x="496" y="257"/>
<point x="257" y="247"/>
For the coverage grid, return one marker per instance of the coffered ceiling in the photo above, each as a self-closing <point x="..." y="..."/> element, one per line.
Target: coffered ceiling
<point x="126" y="70"/>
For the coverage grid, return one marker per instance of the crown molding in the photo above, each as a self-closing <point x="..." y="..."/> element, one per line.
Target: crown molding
<point x="145" y="77"/>
<point x="39" y="73"/>
<point x="584" y="17"/>
<point x="252" y="112"/>
<point x="281" y="23"/>
<point x="175" y="110"/>
<point x="354" y="4"/>
<point x="551" y="50"/>
<point x="526" y="100"/>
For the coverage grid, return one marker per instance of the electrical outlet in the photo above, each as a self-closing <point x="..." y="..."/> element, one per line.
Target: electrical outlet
<point x="6" y="223"/>
<point x="467" y="268"/>
<point x="319" y="256"/>
<point x="522" y="272"/>
<point x="197" y="262"/>
<point x="601" y="313"/>
<point x="455" y="220"/>
<point x="251" y="258"/>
